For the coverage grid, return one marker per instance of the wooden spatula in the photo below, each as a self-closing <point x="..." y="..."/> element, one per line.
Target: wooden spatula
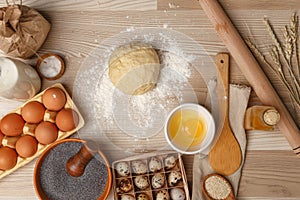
<point x="225" y="156"/>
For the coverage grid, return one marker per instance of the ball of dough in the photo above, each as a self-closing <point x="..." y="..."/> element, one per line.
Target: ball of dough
<point x="177" y="194"/>
<point x="141" y="182"/>
<point x="155" y="164"/>
<point x="162" y="195"/>
<point x="158" y="181"/>
<point x="174" y="178"/>
<point x="123" y="169"/>
<point x="134" y="68"/>
<point x="139" y="167"/>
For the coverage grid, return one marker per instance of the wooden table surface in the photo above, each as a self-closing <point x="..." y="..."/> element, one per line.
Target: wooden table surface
<point x="271" y="170"/>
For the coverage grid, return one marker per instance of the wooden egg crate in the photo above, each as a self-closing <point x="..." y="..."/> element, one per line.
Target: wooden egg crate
<point x="29" y="129"/>
<point x="150" y="190"/>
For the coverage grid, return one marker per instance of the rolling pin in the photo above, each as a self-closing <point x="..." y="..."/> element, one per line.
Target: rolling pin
<point x="251" y="69"/>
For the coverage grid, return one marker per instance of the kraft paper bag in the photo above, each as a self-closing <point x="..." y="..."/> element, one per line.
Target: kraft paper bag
<point x="23" y="30"/>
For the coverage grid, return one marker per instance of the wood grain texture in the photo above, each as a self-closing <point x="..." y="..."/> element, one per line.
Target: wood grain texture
<point x="84" y="5"/>
<point x="264" y="177"/>
<point x="230" y="4"/>
<point x="271" y="171"/>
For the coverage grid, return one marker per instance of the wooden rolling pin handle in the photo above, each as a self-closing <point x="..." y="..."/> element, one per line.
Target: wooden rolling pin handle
<point x="77" y="163"/>
<point x="297" y="150"/>
<point x="251" y="69"/>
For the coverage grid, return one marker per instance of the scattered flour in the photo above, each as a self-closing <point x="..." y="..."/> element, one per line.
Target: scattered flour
<point x="142" y="110"/>
<point x="105" y="108"/>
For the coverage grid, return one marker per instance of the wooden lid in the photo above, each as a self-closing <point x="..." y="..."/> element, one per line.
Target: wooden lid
<point x="271" y="117"/>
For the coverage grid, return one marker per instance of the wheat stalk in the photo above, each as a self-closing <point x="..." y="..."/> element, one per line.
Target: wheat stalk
<point x="278" y="69"/>
<point x="274" y="37"/>
<point x="288" y="46"/>
<point x="294" y="23"/>
<point x="256" y="51"/>
<point x="282" y="56"/>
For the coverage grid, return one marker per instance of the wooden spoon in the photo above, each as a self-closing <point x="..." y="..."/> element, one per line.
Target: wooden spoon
<point x="224" y="182"/>
<point x="225" y="156"/>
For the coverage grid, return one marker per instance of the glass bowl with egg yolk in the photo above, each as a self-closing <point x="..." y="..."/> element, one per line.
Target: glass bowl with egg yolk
<point x="189" y="128"/>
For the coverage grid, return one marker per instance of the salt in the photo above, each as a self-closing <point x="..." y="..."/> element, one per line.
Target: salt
<point x="50" y="66"/>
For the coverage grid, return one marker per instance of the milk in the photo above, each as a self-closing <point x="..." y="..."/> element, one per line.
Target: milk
<point x="18" y="81"/>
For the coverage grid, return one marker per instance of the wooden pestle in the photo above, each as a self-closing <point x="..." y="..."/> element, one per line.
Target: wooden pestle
<point x="251" y="69"/>
<point x="77" y="163"/>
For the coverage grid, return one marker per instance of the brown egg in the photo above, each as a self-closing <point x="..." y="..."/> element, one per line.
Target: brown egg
<point x="46" y="132"/>
<point x="66" y="119"/>
<point x="26" y="146"/>
<point x="12" y="124"/>
<point x="1" y="137"/>
<point x="8" y="158"/>
<point x="54" y="98"/>
<point x="33" y="112"/>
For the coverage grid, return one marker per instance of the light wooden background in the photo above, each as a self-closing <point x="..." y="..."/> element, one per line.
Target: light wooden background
<point x="271" y="170"/>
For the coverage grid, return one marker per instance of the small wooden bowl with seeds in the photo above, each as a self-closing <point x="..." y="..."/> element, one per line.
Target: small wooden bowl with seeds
<point x="217" y="187"/>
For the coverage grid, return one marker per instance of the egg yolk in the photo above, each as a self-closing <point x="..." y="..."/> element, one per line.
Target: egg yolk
<point x="187" y="128"/>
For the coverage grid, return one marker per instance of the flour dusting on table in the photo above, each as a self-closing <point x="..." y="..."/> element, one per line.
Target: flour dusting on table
<point x="142" y="109"/>
<point x="108" y="110"/>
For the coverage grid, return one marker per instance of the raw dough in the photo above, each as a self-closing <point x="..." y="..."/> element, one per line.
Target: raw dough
<point x="134" y="68"/>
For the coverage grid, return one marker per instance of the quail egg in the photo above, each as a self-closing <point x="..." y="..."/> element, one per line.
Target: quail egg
<point x="141" y="182"/>
<point x="123" y="169"/>
<point x="170" y="162"/>
<point x="139" y="167"/>
<point x="142" y="196"/>
<point x="174" y="178"/>
<point x="158" y="180"/>
<point x="126" y="197"/>
<point x="155" y="164"/>
<point x="177" y="194"/>
<point x="125" y="185"/>
<point x="162" y="195"/>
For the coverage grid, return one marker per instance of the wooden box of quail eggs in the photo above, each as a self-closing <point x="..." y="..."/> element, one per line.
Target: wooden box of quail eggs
<point x="151" y="176"/>
<point x="28" y="130"/>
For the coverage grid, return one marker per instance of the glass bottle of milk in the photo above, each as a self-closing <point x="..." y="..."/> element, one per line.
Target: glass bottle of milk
<point x="18" y="81"/>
